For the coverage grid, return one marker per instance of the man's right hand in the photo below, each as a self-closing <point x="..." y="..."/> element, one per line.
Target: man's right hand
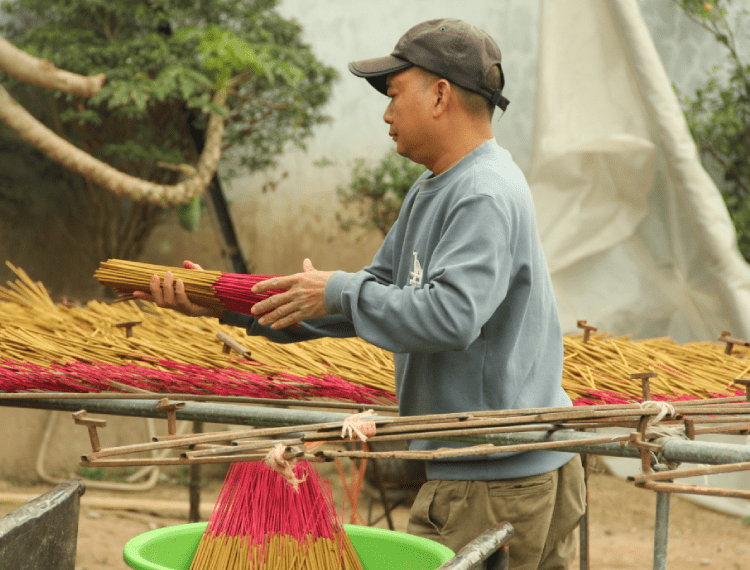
<point x="171" y="295"/>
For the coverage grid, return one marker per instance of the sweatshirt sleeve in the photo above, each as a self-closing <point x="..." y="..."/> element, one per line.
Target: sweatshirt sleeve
<point x="465" y="279"/>
<point x="336" y="326"/>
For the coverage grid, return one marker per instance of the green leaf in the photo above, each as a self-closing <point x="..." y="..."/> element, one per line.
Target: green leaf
<point x="189" y="214"/>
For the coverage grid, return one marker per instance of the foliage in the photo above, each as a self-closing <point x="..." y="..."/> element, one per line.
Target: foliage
<point x="719" y="114"/>
<point x="93" y="473"/>
<point x="164" y="60"/>
<point x="379" y="192"/>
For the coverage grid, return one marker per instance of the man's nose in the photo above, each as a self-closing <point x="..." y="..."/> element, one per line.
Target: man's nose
<point x="388" y="115"/>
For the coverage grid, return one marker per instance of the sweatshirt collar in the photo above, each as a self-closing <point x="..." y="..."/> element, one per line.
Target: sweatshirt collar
<point x="436" y="182"/>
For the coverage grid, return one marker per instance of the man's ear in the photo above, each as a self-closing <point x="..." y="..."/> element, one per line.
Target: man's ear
<point x="444" y="92"/>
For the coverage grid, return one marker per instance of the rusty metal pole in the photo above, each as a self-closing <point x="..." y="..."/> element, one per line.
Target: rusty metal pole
<point x="383" y="496"/>
<point x="661" y="530"/>
<point x="195" y="483"/>
<point x="494" y="539"/>
<point x="584" y="526"/>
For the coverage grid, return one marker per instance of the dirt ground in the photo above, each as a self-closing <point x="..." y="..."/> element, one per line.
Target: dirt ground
<point x="621" y="523"/>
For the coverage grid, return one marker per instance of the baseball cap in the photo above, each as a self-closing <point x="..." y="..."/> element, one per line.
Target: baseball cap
<point x="453" y="49"/>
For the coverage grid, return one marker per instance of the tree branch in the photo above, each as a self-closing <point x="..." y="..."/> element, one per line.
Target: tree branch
<point x="43" y="73"/>
<point x="724" y="162"/>
<point x="261" y="102"/>
<point x="70" y="156"/>
<point x="249" y="128"/>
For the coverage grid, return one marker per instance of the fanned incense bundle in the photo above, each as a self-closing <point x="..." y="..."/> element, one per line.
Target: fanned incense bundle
<point x="230" y="291"/>
<point x="260" y="522"/>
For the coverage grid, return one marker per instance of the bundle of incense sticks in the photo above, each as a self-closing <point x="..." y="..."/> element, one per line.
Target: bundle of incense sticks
<point x="226" y="291"/>
<point x="262" y="522"/>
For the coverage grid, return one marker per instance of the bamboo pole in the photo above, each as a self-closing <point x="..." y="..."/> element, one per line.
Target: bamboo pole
<point x="484" y="449"/>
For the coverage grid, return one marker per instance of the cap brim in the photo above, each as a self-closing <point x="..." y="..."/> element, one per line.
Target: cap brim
<point x="378" y="69"/>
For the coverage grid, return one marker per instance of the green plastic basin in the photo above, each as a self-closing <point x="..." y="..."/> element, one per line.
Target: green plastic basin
<point x="173" y="548"/>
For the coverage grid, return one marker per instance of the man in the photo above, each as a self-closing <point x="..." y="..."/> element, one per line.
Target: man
<point x="459" y="292"/>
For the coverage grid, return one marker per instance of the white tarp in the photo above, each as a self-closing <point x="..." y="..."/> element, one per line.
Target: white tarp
<point x="636" y="234"/>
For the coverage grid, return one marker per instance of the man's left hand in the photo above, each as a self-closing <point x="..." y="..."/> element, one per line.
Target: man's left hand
<point x="302" y="300"/>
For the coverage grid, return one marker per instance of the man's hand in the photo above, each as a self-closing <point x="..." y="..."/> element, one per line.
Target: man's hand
<point x="171" y="295"/>
<point x="302" y="300"/>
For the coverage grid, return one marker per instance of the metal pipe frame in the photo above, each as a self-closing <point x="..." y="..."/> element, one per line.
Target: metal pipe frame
<point x="682" y="451"/>
<point x="661" y="530"/>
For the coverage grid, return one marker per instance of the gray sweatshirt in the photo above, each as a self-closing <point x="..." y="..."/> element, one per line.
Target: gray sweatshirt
<point x="461" y="294"/>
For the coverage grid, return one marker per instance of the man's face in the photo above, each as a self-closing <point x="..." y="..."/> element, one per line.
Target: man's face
<point x="409" y="113"/>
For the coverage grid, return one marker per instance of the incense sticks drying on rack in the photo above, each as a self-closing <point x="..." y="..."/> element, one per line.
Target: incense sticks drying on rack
<point x="597" y="367"/>
<point x="53" y="347"/>
<point x="598" y="370"/>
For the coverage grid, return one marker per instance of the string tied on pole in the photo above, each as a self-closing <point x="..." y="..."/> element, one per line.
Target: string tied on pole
<point x="663" y="431"/>
<point x="355" y="425"/>
<point x="664" y="409"/>
<point x="276" y="460"/>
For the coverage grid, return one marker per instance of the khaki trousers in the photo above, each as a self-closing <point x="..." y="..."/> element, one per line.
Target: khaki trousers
<point x="543" y="509"/>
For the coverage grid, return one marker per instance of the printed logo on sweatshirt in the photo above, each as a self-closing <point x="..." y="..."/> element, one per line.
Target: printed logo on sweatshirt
<point x="415" y="276"/>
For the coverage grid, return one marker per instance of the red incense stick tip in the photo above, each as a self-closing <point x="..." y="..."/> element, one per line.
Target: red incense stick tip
<point x="235" y="291"/>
